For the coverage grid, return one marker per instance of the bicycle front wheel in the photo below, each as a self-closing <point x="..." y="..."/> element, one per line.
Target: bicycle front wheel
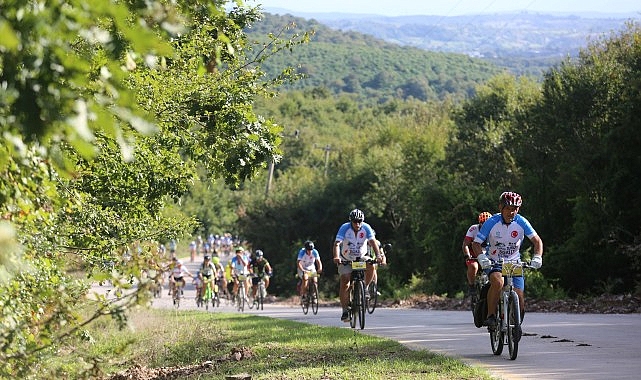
<point x="360" y="308"/>
<point x="373" y="297"/>
<point x="352" y="305"/>
<point x="513" y="325"/>
<point x="304" y="302"/>
<point x="496" y="336"/>
<point x="260" y="298"/>
<point x="313" y="294"/>
<point x="240" y="299"/>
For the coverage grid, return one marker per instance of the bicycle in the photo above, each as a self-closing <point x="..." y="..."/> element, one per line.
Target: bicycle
<point x="241" y="296"/>
<point x="261" y="293"/>
<point x="208" y="295"/>
<point x="372" y="288"/>
<point x="357" y="303"/>
<point x="508" y="331"/>
<point x="177" y="292"/>
<point x="311" y="298"/>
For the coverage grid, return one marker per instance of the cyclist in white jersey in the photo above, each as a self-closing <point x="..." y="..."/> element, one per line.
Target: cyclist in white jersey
<point x="307" y="262"/>
<point x="504" y="233"/>
<point x="351" y="243"/>
<point x="470" y="256"/>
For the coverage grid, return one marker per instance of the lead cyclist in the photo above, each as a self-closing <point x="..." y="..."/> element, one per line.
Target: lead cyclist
<point x="504" y="233"/>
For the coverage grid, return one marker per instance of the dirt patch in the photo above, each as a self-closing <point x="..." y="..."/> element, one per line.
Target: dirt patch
<point x="179" y="372"/>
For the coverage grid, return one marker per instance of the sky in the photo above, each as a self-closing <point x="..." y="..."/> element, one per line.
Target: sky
<point x="450" y="7"/>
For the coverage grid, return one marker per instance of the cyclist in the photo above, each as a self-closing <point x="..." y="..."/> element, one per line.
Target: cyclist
<point x="192" y="251"/>
<point x="198" y="284"/>
<point x="219" y="274"/>
<point x="374" y="277"/>
<point x="178" y="271"/>
<point x="352" y="240"/>
<point x="308" y="262"/>
<point x="240" y="266"/>
<point x="207" y="271"/>
<point x="470" y="256"/>
<point x="504" y="233"/>
<point x="261" y="268"/>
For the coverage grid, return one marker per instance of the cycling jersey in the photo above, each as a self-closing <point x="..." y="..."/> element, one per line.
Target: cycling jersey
<point x="471" y="234"/>
<point x="354" y="244"/>
<point x="207" y="270"/>
<point x="504" y="240"/>
<point x="238" y="267"/>
<point x="258" y="266"/>
<point x="308" y="260"/>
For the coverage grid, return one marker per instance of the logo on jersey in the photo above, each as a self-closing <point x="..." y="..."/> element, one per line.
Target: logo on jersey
<point x="514" y="234"/>
<point x="361" y="234"/>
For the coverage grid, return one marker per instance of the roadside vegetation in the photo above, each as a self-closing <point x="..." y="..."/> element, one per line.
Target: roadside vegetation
<point x="167" y="344"/>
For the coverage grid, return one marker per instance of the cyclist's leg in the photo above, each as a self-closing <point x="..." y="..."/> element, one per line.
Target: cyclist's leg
<point x="370" y="274"/>
<point x="266" y="280"/>
<point x="519" y="285"/>
<point x="345" y="272"/>
<point x="255" y="281"/>
<point x="493" y="294"/>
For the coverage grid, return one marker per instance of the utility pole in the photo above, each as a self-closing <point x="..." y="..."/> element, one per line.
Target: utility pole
<point x="271" y="164"/>
<point x="270" y="176"/>
<point x="327" y="148"/>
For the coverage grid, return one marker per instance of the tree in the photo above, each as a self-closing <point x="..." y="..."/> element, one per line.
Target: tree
<point x="107" y="106"/>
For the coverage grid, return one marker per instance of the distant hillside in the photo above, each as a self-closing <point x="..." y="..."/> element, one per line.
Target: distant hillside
<point x="526" y="43"/>
<point x="368" y="67"/>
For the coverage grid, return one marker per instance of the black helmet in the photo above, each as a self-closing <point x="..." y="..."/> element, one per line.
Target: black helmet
<point x="259" y="253"/>
<point x="309" y="245"/>
<point x="356" y="215"/>
<point x="207" y="257"/>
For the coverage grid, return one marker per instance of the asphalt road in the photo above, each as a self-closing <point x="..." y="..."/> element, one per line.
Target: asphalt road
<point x="554" y="345"/>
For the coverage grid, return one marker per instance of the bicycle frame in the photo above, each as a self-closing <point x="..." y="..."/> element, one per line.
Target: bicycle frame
<point x="312" y="294"/>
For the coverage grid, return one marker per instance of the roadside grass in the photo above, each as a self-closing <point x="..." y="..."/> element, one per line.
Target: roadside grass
<point x="166" y="344"/>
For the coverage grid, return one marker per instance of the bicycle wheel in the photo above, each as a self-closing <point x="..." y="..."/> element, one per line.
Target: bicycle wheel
<point x="373" y="297"/>
<point x="304" y="304"/>
<point x="313" y="294"/>
<point x="240" y="298"/>
<point x="513" y="325"/>
<point x="361" y="306"/>
<point x="261" y="296"/>
<point x="496" y="336"/>
<point x="352" y="305"/>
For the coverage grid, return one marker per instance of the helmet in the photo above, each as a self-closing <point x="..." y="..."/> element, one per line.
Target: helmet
<point x="179" y="262"/>
<point x="484" y="216"/>
<point x="216" y="260"/>
<point x="207" y="257"/>
<point x="509" y="198"/>
<point x="356" y="215"/>
<point x="309" y="245"/>
<point x="259" y="253"/>
<point x="240" y="249"/>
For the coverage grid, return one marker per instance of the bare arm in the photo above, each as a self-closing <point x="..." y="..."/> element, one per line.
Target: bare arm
<point x="538" y="245"/>
<point x="337" y="251"/>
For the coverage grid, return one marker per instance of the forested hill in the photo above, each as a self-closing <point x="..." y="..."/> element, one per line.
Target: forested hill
<point x="370" y="68"/>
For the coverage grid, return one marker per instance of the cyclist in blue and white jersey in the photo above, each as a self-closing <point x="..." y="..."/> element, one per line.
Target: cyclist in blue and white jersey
<point x="240" y="267"/>
<point x="307" y="262"/>
<point x="504" y="233"/>
<point x="351" y="243"/>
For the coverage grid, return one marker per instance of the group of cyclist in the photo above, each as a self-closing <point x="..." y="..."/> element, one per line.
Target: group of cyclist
<point x="496" y="239"/>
